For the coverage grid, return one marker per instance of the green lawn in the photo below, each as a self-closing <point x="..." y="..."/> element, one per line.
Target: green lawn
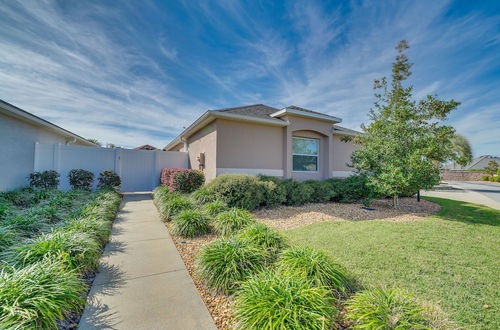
<point x="451" y="259"/>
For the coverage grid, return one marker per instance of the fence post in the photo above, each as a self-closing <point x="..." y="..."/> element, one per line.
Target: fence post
<point x="156" y="163"/>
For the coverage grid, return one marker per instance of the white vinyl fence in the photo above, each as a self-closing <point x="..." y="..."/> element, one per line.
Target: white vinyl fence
<point x="139" y="170"/>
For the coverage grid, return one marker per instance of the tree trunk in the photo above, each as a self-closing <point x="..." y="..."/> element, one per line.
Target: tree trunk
<point x="396" y="201"/>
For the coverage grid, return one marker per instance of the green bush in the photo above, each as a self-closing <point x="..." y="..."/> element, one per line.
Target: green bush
<point x="491" y="179"/>
<point x="322" y="191"/>
<point x="261" y="235"/>
<point x="37" y="296"/>
<point x="173" y="205"/>
<point x="16" y="197"/>
<point x="78" y="250"/>
<point x="186" y="181"/>
<point x="231" y="221"/>
<point x="109" y="179"/>
<point x="350" y="189"/>
<point x="273" y="193"/>
<point x="390" y="309"/>
<point x="44" y="180"/>
<point x="8" y="237"/>
<point x="237" y="190"/>
<point x="203" y="195"/>
<point x="5" y="209"/>
<point x="497" y="179"/>
<point x="80" y="179"/>
<point x="190" y="223"/>
<point x="485" y="178"/>
<point x="273" y="301"/>
<point x="224" y="264"/>
<point x="315" y="266"/>
<point x="297" y="193"/>
<point x="214" y="208"/>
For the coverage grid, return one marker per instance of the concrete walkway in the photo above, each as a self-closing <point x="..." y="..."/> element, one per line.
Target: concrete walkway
<point x="472" y="192"/>
<point x="142" y="281"/>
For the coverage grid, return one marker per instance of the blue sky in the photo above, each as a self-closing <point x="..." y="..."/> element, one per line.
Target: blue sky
<point x="137" y="72"/>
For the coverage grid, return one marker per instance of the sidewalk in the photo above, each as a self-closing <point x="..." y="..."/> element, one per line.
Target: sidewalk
<point x="142" y="281"/>
<point x="458" y="193"/>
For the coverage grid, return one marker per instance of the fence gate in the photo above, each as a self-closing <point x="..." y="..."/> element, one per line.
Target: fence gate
<point x="139" y="170"/>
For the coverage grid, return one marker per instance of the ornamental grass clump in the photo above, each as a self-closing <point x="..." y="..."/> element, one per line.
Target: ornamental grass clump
<point x="263" y="236"/>
<point x="214" y="208"/>
<point x="39" y="295"/>
<point x="190" y="223"/>
<point x="270" y="300"/>
<point x="315" y="266"/>
<point x="8" y="237"/>
<point x="173" y="206"/>
<point x="391" y="309"/>
<point x="229" y="222"/>
<point x="224" y="264"/>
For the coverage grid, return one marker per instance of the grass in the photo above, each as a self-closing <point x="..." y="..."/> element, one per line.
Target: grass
<point x="450" y="259"/>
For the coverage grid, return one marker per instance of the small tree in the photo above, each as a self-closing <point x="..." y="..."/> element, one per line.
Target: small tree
<point x="491" y="168"/>
<point x="462" y="150"/>
<point x="403" y="145"/>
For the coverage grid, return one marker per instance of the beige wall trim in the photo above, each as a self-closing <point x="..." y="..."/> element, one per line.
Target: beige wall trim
<point x="250" y="171"/>
<point x="306" y="114"/>
<point x="341" y="132"/>
<point x="341" y="174"/>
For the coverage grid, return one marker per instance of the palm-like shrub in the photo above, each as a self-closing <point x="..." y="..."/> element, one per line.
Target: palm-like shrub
<point x="78" y="250"/>
<point x="214" y="208"/>
<point x="231" y="221"/>
<point x="223" y="264"/>
<point x="173" y="205"/>
<point x="190" y="223"/>
<point x="272" y="301"/>
<point x="263" y="236"/>
<point x="315" y="266"/>
<point x="390" y="309"/>
<point x="37" y="296"/>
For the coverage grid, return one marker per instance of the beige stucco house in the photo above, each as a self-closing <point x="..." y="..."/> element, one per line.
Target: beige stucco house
<point x="258" y="139"/>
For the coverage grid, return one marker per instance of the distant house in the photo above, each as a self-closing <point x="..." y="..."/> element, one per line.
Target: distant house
<point x="146" y="147"/>
<point x="19" y="131"/>
<point x="292" y="142"/>
<point x="478" y="163"/>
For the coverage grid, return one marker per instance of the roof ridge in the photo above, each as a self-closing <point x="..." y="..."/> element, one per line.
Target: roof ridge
<point x="240" y="107"/>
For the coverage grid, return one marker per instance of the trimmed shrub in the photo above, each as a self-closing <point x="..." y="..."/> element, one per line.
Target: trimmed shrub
<point x="214" y="208"/>
<point x="261" y="235"/>
<point x="224" y="264"/>
<point x="182" y="180"/>
<point x="37" y="296"/>
<point x="44" y="180"/>
<point x="297" y="193"/>
<point x="322" y="191"/>
<point x="173" y="205"/>
<point x="314" y="265"/>
<point x="273" y="301"/>
<point x="190" y="223"/>
<point x="350" y="189"/>
<point x="273" y="193"/>
<point x="80" y="179"/>
<point x="78" y="250"/>
<point x="237" y="190"/>
<point x="109" y="179"/>
<point x="390" y="309"/>
<point x="231" y="221"/>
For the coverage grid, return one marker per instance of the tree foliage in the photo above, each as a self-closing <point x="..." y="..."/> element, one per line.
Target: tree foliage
<point x="403" y="145"/>
<point x="491" y="168"/>
<point x="462" y="150"/>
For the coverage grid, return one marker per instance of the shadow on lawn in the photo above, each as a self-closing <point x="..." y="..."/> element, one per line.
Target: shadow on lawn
<point x="466" y="212"/>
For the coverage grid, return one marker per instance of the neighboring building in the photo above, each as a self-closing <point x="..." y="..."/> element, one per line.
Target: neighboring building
<point x="478" y="163"/>
<point x="19" y="131"/>
<point x="146" y="147"/>
<point x="257" y="139"/>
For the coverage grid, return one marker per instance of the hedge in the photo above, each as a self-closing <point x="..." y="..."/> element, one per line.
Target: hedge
<point x="182" y="180"/>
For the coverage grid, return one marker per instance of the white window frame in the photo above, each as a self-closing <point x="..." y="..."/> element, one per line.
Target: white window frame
<point x="317" y="156"/>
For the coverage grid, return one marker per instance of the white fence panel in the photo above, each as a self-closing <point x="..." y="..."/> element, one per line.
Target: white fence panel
<point x="139" y="170"/>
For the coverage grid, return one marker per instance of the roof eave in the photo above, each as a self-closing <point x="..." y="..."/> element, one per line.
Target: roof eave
<point x="306" y="114"/>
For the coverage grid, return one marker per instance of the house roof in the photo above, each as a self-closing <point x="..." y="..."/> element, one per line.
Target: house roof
<point x="20" y="114"/>
<point x="145" y="147"/>
<point x="257" y="113"/>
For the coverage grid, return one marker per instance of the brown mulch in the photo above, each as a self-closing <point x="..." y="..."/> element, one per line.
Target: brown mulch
<point x="289" y="217"/>
<point x="218" y="304"/>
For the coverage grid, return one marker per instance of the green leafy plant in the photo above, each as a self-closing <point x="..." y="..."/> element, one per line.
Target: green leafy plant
<point x="80" y="179"/>
<point x="237" y="190"/>
<point x="44" y="180"/>
<point x="314" y="265"/>
<point x="390" y="309"/>
<point x="214" y="208"/>
<point x="5" y="209"/>
<point x="321" y="191"/>
<point x="223" y="264"/>
<point x="272" y="301"/>
<point x="231" y="221"/>
<point x="190" y="223"/>
<point x="297" y="193"/>
<point x="109" y="179"/>
<point x="182" y="180"/>
<point x="8" y="237"/>
<point x="27" y="225"/>
<point x="492" y="167"/>
<point x="37" y="296"/>
<point x="273" y="193"/>
<point x="203" y="195"/>
<point x="173" y="205"/>
<point x="261" y="235"/>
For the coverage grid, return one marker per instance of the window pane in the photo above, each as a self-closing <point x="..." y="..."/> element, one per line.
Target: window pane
<point x="305" y="163"/>
<point x="305" y="146"/>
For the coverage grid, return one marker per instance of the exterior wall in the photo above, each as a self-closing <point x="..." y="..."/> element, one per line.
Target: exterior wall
<point x="17" y="150"/>
<point x="450" y="175"/>
<point x="204" y="141"/>
<point x="342" y="156"/>
<point x="249" y="148"/>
